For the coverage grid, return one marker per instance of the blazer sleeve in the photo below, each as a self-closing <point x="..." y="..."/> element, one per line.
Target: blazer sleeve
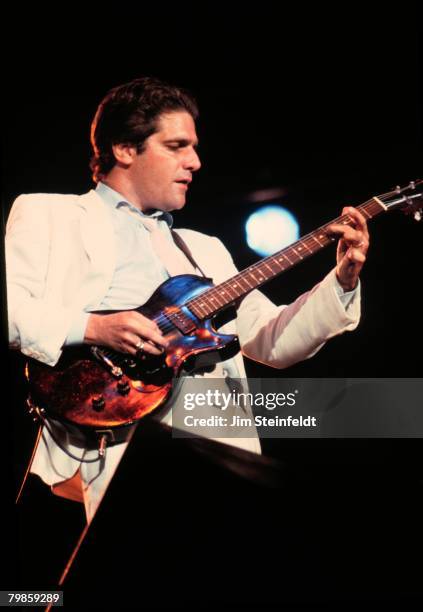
<point x="38" y="326"/>
<point x="280" y="336"/>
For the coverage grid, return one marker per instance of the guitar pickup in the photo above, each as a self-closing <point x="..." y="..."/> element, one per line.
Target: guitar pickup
<point x="180" y="320"/>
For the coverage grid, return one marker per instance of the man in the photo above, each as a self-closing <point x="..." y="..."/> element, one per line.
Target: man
<point x="109" y="249"/>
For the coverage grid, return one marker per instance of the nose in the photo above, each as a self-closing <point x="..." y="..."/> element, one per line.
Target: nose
<point x="192" y="161"/>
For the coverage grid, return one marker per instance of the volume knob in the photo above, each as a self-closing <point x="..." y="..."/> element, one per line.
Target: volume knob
<point x="98" y="402"/>
<point x="123" y="387"/>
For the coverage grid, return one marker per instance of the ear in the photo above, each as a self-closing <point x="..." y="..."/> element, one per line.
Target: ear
<point x="124" y="154"/>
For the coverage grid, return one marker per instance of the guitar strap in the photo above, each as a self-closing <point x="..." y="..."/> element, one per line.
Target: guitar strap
<point x="181" y="244"/>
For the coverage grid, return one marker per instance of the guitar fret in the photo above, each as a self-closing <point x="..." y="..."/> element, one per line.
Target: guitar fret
<point x="251" y="274"/>
<point x="230" y="289"/>
<point x="225" y="293"/>
<point x="247" y="281"/>
<point x="276" y="266"/>
<point x="219" y="298"/>
<point x="205" y="305"/>
<point x="241" y="286"/>
<point x="292" y="248"/>
<point x="234" y="287"/>
<point x="261" y="271"/>
<point x="277" y="262"/>
<point x="202" y="306"/>
<point x="308" y="248"/>
<point x="303" y="244"/>
<point x="215" y="297"/>
<point x="318" y="242"/>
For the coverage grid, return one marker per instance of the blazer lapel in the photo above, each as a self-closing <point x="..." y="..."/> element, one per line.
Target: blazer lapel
<point x="99" y="241"/>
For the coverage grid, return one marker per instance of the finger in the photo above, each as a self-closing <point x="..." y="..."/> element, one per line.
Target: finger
<point x="151" y="348"/>
<point x="358" y="240"/>
<point x="152" y="336"/>
<point x="136" y="352"/>
<point x="356" y="255"/>
<point x="361" y="222"/>
<point x="140" y="319"/>
<point x="146" y="329"/>
<point x="137" y="345"/>
<point x="128" y="345"/>
<point x="350" y="235"/>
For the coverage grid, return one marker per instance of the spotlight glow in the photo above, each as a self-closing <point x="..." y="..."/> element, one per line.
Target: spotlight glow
<point x="270" y="229"/>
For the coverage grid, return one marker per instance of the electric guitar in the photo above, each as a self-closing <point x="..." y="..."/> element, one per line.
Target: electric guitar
<point x="97" y="388"/>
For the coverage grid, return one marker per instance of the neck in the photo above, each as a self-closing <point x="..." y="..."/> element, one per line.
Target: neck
<point x="121" y="184"/>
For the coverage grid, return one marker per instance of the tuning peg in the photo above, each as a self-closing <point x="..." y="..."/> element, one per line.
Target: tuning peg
<point x="418" y="215"/>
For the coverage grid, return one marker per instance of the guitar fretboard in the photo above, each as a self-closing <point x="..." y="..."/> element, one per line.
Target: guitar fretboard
<point x="217" y="298"/>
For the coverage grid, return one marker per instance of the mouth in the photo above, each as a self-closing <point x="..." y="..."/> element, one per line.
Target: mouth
<point x="183" y="184"/>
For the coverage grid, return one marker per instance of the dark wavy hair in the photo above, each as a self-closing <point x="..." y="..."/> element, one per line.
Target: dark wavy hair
<point x="129" y="114"/>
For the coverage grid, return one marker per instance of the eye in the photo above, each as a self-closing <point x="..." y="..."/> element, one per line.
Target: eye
<point x="174" y="146"/>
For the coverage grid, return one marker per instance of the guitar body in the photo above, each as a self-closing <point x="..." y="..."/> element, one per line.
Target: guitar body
<point x="86" y="389"/>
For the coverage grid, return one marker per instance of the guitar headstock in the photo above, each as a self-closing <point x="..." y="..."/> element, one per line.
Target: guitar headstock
<point x="409" y="199"/>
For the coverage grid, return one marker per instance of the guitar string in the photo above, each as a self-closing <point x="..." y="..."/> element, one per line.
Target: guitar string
<point x="254" y="267"/>
<point x="167" y="326"/>
<point x="164" y="321"/>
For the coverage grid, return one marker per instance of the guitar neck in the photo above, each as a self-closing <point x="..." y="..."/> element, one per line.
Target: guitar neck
<point x="232" y="290"/>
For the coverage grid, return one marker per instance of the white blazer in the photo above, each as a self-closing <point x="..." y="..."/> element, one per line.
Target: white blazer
<point x="60" y="258"/>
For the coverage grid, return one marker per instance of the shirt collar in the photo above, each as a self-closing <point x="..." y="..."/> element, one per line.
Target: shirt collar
<point x="116" y="200"/>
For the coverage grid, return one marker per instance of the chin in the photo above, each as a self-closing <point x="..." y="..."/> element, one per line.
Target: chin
<point x="176" y="205"/>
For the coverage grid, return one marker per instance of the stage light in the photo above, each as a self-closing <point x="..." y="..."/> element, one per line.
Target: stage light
<point x="270" y="229"/>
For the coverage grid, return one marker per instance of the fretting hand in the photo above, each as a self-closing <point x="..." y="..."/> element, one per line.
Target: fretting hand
<point x="352" y="248"/>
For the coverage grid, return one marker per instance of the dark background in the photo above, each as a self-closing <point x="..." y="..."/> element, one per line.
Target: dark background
<point x="322" y="102"/>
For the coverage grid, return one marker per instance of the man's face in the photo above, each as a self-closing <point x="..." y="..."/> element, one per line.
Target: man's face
<point x="161" y="174"/>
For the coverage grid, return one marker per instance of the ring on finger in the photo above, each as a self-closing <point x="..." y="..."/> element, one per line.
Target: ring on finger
<point x="140" y="345"/>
